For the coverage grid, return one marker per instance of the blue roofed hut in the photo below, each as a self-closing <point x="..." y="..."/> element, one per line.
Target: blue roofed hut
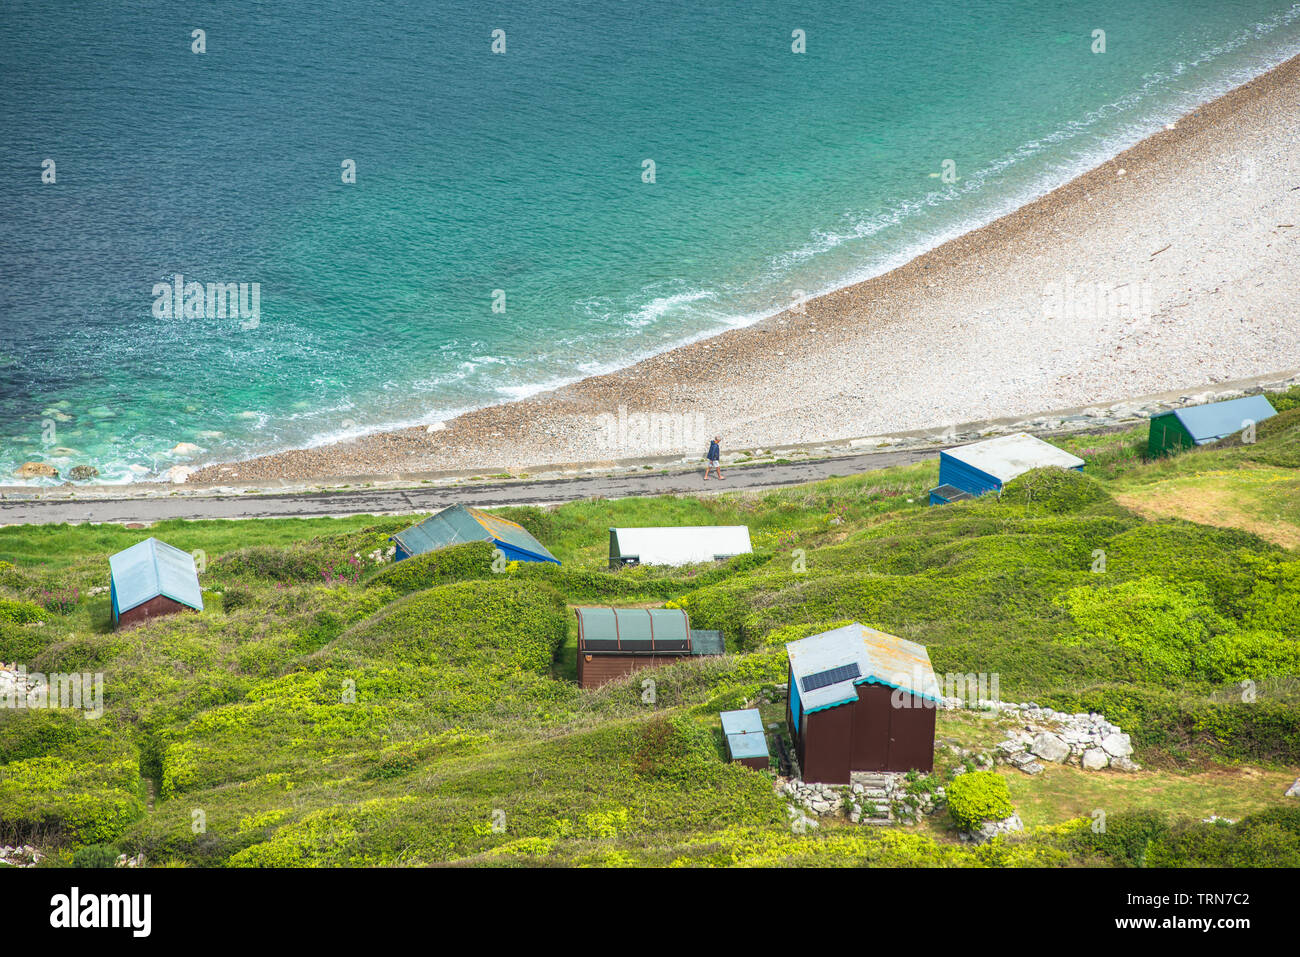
<point x="151" y="579"/>
<point x="458" y="524"/>
<point x="1195" y="425"/>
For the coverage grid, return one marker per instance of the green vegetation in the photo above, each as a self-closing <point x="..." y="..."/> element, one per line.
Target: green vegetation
<point x="330" y="708"/>
<point x="977" y="797"/>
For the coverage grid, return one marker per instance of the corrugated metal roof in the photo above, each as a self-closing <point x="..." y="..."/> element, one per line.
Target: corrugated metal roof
<point x="152" y="568"/>
<point x="1008" y="456"/>
<point x="681" y="545"/>
<point x="1209" y="423"/>
<point x="457" y="524"/>
<point x="631" y="629"/>
<point x="742" y="722"/>
<point x="880" y="657"/>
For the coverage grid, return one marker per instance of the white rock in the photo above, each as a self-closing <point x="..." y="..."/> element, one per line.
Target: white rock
<point x="1094" y="759"/>
<point x="1050" y="748"/>
<point x="1117" y="745"/>
<point x="178" y="474"/>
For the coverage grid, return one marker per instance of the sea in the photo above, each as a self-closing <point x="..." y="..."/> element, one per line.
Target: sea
<point x="433" y="207"/>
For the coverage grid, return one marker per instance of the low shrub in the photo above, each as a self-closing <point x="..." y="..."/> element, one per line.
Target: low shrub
<point x="95" y="855"/>
<point x="979" y="796"/>
<point x="441" y="567"/>
<point x="1055" y="490"/>
<point x="20" y="612"/>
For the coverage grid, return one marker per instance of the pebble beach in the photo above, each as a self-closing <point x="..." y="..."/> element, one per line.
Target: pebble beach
<point x="1172" y="266"/>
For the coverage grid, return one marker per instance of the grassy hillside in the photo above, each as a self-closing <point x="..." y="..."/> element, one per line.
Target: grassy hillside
<point x="331" y="709"/>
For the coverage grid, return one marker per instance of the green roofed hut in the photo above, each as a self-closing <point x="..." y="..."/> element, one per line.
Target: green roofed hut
<point x="614" y="642"/>
<point x="151" y="579"/>
<point x="746" y="740"/>
<point x="861" y="700"/>
<point x="458" y="524"/>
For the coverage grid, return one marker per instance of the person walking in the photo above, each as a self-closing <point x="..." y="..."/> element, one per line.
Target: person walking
<point x="715" y="455"/>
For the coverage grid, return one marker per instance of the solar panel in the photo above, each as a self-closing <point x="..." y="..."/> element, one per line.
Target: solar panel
<point x="824" y="679"/>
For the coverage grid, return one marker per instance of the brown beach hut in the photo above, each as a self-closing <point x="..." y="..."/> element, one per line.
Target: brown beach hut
<point x="614" y="642"/>
<point x="860" y="700"/>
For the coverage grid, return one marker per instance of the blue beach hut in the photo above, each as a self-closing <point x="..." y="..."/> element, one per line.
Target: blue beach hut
<point x="981" y="467"/>
<point x="152" y="578"/>
<point x="1196" y="425"/>
<point x="457" y="524"/>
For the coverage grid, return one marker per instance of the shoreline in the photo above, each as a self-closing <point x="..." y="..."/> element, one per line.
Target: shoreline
<point x="957" y="334"/>
<point x="1046" y="424"/>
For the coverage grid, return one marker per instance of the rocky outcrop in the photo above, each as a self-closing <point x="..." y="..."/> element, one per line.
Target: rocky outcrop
<point x="22" y="855"/>
<point x="991" y="829"/>
<point x="30" y="470"/>
<point x="14" y="684"/>
<point x="178" y="474"/>
<point x="1041" y="734"/>
<point x="82" y="473"/>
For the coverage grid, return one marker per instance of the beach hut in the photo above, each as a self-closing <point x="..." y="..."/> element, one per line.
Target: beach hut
<point x="1195" y="425"/>
<point x="677" y="545"/>
<point x="746" y="741"/>
<point x="860" y="700"/>
<point x="614" y="642"/>
<point x="972" y="470"/>
<point x="457" y="524"/>
<point x="150" y="579"/>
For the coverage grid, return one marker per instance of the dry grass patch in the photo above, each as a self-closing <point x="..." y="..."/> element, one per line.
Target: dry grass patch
<point x="1264" y="501"/>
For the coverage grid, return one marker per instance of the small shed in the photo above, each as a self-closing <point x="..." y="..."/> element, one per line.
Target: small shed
<point x="972" y="470"/>
<point x="677" y="545"/>
<point x="150" y="579"/>
<point x="746" y="740"/>
<point x="860" y="700"/>
<point x="614" y="642"/>
<point x="458" y="524"/>
<point x="1195" y="425"/>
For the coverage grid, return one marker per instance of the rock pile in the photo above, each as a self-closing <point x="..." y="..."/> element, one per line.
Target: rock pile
<point x="14" y="684"/>
<point x="1086" y="741"/>
<point x="819" y="799"/>
<point x="873" y="798"/>
<point x="23" y="855"/>
<point x="991" y="829"/>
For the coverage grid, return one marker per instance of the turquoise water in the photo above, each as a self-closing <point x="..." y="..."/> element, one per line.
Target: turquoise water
<point x="775" y="172"/>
